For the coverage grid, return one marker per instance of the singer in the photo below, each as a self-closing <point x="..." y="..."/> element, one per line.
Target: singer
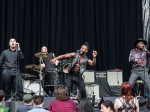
<point x="79" y="64"/>
<point x="9" y="62"/>
<point x="138" y="58"/>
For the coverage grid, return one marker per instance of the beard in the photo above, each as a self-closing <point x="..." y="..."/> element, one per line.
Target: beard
<point x="82" y="53"/>
<point x="140" y="48"/>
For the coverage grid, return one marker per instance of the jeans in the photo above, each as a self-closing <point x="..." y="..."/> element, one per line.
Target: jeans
<point x="75" y="78"/>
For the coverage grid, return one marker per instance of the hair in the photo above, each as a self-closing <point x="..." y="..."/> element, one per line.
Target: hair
<point x="12" y="38"/>
<point x="107" y="104"/>
<point x="38" y="99"/>
<point x="2" y="95"/>
<point x="126" y="90"/>
<point x="62" y="93"/>
<point x="85" y="106"/>
<point x="86" y="44"/>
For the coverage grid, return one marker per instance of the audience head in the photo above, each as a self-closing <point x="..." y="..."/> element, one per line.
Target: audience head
<point x="2" y="96"/>
<point x="85" y="106"/>
<point x="62" y="93"/>
<point x="27" y="98"/>
<point x="126" y="90"/>
<point x="38" y="100"/>
<point x="107" y="106"/>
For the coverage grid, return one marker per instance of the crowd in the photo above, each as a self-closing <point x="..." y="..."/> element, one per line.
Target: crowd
<point x="124" y="103"/>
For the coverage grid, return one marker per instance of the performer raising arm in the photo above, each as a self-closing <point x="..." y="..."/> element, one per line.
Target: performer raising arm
<point x="9" y="62"/>
<point x="79" y="64"/>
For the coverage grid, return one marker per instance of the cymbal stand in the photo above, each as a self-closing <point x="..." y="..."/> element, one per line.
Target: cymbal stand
<point x="41" y="78"/>
<point x="56" y="81"/>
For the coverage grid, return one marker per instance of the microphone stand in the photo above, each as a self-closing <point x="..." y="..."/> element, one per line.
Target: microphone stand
<point x="16" y="74"/>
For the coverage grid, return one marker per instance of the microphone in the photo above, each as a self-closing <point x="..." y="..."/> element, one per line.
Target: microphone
<point x="16" y="47"/>
<point x="144" y="48"/>
<point x="78" y="51"/>
<point x="53" y="55"/>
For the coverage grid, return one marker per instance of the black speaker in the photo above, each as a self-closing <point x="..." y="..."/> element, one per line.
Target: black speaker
<point x="110" y="98"/>
<point x="47" y="101"/>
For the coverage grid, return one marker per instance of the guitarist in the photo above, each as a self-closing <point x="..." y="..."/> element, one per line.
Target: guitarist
<point x="79" y="64"/>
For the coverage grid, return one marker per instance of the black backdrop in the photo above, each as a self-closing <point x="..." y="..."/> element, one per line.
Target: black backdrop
<point x="109" y="26"/>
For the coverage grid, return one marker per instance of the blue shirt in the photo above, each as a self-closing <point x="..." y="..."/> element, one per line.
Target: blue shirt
<point x="24" y="108"/>
<point x="38" y="109"/>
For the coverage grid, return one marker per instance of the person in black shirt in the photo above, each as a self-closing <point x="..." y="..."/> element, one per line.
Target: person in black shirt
<point x="9" y="62"/>
<point x="49" y="70"/>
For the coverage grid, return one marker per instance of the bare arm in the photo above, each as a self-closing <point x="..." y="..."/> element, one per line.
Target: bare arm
<point x="93" y="61"/>
<point x="68" y="55"/>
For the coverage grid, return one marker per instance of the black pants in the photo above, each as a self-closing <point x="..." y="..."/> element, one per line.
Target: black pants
<point x="10" y="76"/>
<point x="74" y="78"/>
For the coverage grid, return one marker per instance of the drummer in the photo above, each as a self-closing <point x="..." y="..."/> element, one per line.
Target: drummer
<point x="48" y="69"/>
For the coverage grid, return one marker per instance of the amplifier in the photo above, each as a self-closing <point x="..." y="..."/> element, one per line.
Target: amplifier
<point x="89" y="76"/>
<point x="100" y="74"/>
<point x="114" y="77"/>
<point x="92" y="89"/>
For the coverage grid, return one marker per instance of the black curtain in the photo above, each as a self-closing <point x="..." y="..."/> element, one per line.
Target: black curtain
<point x="109" y="26"/>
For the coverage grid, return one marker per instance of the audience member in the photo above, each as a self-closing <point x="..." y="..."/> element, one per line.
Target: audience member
<point x="2" y="98"/>
<point x="126" y="102"/>
<point x="107" y="106"/>
<point x="27" y="100"/>
<point x="63" y="103"/>
<point x="85" y="106"/>
<point x="38" y="102"/>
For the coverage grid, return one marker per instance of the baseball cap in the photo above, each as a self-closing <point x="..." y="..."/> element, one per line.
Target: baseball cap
<point x="27" y="98"/>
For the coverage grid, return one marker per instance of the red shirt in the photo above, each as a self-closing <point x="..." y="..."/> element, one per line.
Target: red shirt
<point x="62" y="106"/>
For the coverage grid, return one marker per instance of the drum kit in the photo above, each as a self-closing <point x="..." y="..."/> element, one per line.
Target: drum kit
<point x="30" y="82"/>
<point x="32" y="85"/>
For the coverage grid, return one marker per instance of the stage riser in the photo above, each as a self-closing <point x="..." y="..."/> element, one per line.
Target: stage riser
<point x="13" y="105"/>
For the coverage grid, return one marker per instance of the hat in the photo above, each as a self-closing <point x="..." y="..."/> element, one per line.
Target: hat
<point x="27" y="98"/>
<point x="140" y="40"/>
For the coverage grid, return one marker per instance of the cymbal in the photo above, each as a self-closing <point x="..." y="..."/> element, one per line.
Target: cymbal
<point x="40" y="54"/>
<point x="32" y="67"/>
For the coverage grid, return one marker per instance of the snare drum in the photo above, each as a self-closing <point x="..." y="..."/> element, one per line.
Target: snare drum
<point x="31" y="86"/>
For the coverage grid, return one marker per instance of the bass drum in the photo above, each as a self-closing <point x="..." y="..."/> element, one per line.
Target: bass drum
<point x="50" y="77"/>
<point x="31" y="87"/>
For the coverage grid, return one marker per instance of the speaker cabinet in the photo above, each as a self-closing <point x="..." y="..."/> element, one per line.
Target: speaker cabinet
<point x="47" y="101"/>
<point x="89" y="76"/>
<point x="92" y="89"/>
<point x="114" y="77"/>
<point x="13" y="105"/>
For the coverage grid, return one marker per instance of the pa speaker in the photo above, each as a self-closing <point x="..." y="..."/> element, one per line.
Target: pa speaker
<point x="47" y="101"/>
<point x="110" y="98"/>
